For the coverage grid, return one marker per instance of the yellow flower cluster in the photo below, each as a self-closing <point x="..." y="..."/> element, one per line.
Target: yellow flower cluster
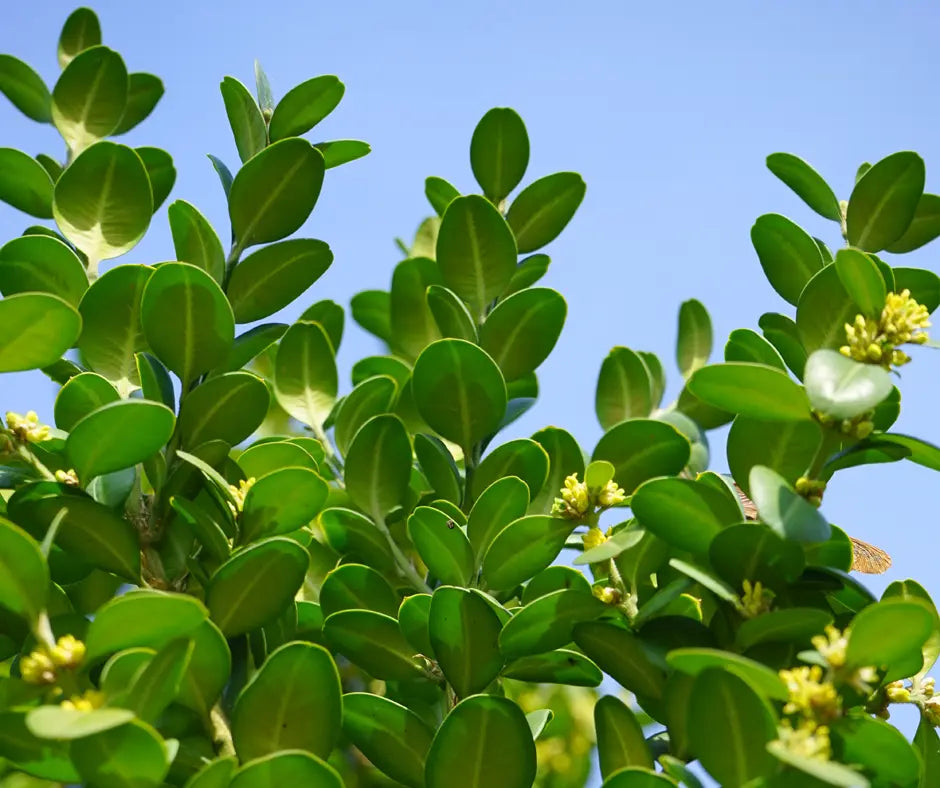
<point x="756" y="599"/>
<point x="807" y="739"/>
<point x="921" y="692"/>
<point x="87" y="701"/>
<point x="902" y="321"/>
<point x="239" y="493"/>
<point x="593" y="538"/>
<point x="832" y="647"/>
<point x="810" y="696"/>
<point x="68" y="477"/>
<point x="611" y="495"/>
<point x="608" y="595"/>
<point x="28" y="428"/>
<point x="577" y="499"/>
<point x="42" y="665"/>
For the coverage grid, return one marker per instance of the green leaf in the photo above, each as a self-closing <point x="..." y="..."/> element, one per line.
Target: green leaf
<point x="884" y="201"/>
<point x="24" y="184"/>
<point x="824" y="308"/>
<point x="911" y="590"/>
<point x="38" y="263"/>
<point x="143" y="93"/>
<point x="522" y="457"/>
<point x="372" y="397"/>
<point x="527" y="273"/>
<point x="686" y="513"/>
<point x="391" y="736"/>
<point x="378" y="466"/>
<point x="206" y="530"/>
<point x="783" y="509"/>
<point x="281" y="502"/>
<point x="927" y="744"/>
<point x="442" y="545"/>
<point x="24" y="581"/>
<point x="787" y="448"/>
<point x="245" y="118"/>
<point x="749" y="346"/>
<point x="807" y="183"/>
<point x="287" y="768"/>
<point x="624" y="388"/>
<point x="118" y="435"/>
<point x="787" y="253"/>
<point x="55" y="722"/>
<point x="730" y="727"/>
<point x="521" y="332"/>
<point x="142" y="619"/>
<point x="160" y="171"/>
<point x="195" y="241"/>
<point x="555" y="667"/>
<point x="641" y="449"/>
<point x="842" y="388"/>
<point x="751" y="390"/>
<point x="781" y="331"/>
<point x="38" y="329"/>
<point x="25" y="89"/>
<point x="339" y="152"/>
<point x="924" y="285"/>
<point x="412" y="324"/>
<point x="304" y="106"/>
<point x="463" y="630"/>
<point x="543" y="209"/>
<point x="202" y="330"/>
<point x="208" y="671"/>
<point x="228" y="407"/>
<point x="357" y="587"/>
<point x="694" y="344"/>
<point x="476" y="252"/>
<point x="294" y="702"/>
<point x="355" y="536"/>
<point x="251" y="344"/>
<point x="371" y="309"/>
<point x="112" y="334"/>
<point x="103" y="201"/>
<point x="374" y="642"/>
<point x="523" y="548"/>
<point x="272" y="277"/>
<point x="758" y="676"/>
<point x="413" y="621"/>
<point x="862" y="280"/>
<point x="459" y="391"/>
<point x="752" y="552"/>
<point x="215" y="774"/>
<point x="620" y="740"/>
<point x="256" y="584"/>
<point x="501" y="751"/>
<point x="158" y="683"/>
<point x="565" y="458"/>
<point x="547" y="623"/>
<point x="503" y="502"/>
<point x="80" y="31"/>
<point x="305" y="378"/>
<point x="878" y="748"/>
<point x="924" y="227"/>
<point x="225" y="175"/>
<point x="637" y="777"/>
<point x="263" y="89"/>
<point x="89" y="99"/>
<point x="330" y="315"/>
<point x="499" y="153"/>
<point x="830" y="772"/>
<point x="622" y="656"/>
<point x="438" y="466"/>
<point x="440" y="193"/>
<point x="274" y="193"/>
<point x="449" y="314"/>
<point x="910" y="623"/>
<point x="787" y="625"/>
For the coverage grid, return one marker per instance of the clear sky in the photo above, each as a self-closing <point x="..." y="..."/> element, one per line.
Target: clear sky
<point x="667" y="109"/>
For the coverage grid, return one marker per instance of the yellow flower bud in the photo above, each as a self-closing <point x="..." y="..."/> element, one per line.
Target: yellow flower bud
<point x="593" y="538"/>
<point x="68" y="477"/>
<point x="38" y="668"/>
<point x="88" y="701"/>
<point x="68" y="652"/>
<point x="239" y="493"/>
<point x="28" y="428"/>
<point x="611" y="495"/>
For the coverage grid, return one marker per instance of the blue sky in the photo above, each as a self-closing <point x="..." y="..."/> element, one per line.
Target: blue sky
<point x="667" y="109"/>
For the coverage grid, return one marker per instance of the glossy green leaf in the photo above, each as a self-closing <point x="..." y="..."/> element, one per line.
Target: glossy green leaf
<point x="547" y="622"/>
<point x="503" y="502"/>
<point x="251" y="344"/>
<point x="440" y="193"/>
<point x="879" y="748"/>
<point x="158" y="682"/>
<point x="449" y="313"/>
<point x="694" y="344"/>
<point x="372" y="397"/>
<point x="194" y="240"/>
<point x="274" y="193"/>
<point x="244" y="116"/>
<point x="37" y="263"/>
<point x="884" y="201"/>
<point x="782" y="333"/>
<point x="352" y="534"/>
<point x="391" y="736"/>
<point x="499" y="153"/>
<point x="118" y="435"/>
<point x="155" y="381"/>
<point x="807" y="183"/>
<point x="215" y="774"/>
<point x="759" y="677"/>
<point x="339" y="152"/>
<point x="749" y="346"/>
<point x="442" y="545"/>
<point x="371" y="309"/>
<point x="624" y="388"/>
<point x="787" y="448"/>
<point x="357" y="587"/>
<point x="787" y="625"/>
<point x="843" y="388"/>
<point x="521" y="332"/>
<point x="273" y="277"/>
<point x="305" y="378"/>
<point x="38" y="329"/>
<point x="622" y="656"/>
<point x="751" y="390"/>
<point x="160" y="171"/>
<point x="208" y="671"/>
<point x="527" y="273"/>
<point x="378" y="466"/>
<point x="286" y="768"/>
<point x="924" y="227"/>
<point x="729" y="728"/>
<point x="112" y="333"/>
<point x="862" y="280"/>
<point x="620" y="740"/>
<point x="24" y="184"/>
<point x="523" y="458"/>
<point x="438" y="466"/>
<point x="304" y="106"/>
<point x="281" y="502"/>
<point x="292" y="703"/>
<point x="910" y="623"/>
<point x="911" y="590"/>
<point x="924" y="285"/>
<point x="412" y="323"/>
<point x="331" y="316"/>
<point x="256" y="584"/>
<point x="787" y="253"/>
<point x="413" y="617"/>
<point x="484" y="741"/>
<point x="225" y="175"/>
<point x="476" y="252"/>
<point x="823" y="310"/>
<point x="24" y="581"/>
<point x="459" y="391"/>
<point x="565" y="457"/>
<point x="103" y="201"/>
<point x="55" y="722"/>
<point x="89" y="99"/>
<point x="554" y="578"/>
<point x="783" y="509"/>
<point x="755" y="552"/>
<point x="523" y="548"/>
<point x="543" y="209"/>
<point x="463" y="630"/>
<point x="205" y="528"/>
<point x="641" y="449"/>
<point x="202" y="330"/>
<point x="80" y="31"/>
<point x="227" y="407"/>
<point x="143" y="92"/>
<point x="374" y="642"/>
<point x="555" y="667"/>
<point x="25" y="89"/>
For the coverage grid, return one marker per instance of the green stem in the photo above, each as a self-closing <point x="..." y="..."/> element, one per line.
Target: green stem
<point x="332" y="457"/>
<point x="50" y="536"/>
<point x="43" y="631"/>
<point x="33" y="460"/>
<point x="830" y="440"/>
<point x="230" y="263"/>
<point x="471" y="459"/>
<point x="405" y="568"/>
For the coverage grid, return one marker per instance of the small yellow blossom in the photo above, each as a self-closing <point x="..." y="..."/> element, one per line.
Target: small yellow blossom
<point x="756" y="599"/>
<point x="68" y="652"/>
<point x="28" y="428"/>
<point x="68" y="477"/>
<point x="897" y="692"/>
<point x="611" y="495"/>
<point x="902" y="321"/>
<point x="832" y="646"/>
<point x="87" y="701"/>
<point x="808" y="739"/>
<point x="38" y="668"/>
<point x="608" y="595"/>
<point x="575" y="501"/>
<point x="593" y="538"/>
<point x="810" y="696"/>
<point x="931" y="709"/>
<point x="239" y="493"/>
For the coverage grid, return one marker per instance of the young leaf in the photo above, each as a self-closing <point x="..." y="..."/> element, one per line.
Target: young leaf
<point x="884" y="201"/>
<point x="620" y="740"/>
<point x="784" y="510"/>
<point x="544" y="208"/>
<point x="244" y="116"/>
<point x="412" y="324"/>
<point x="694" y="344"/>
<point x="38" y="329"/>
<point x="80" y="32"/>
<point x="499" y="153"/>
<point x="305" y="378"/>
<point x="439" y="192"/>
<point x="25" y="184"/>
<point x="807" y="183"/>
<point x="750" y="347"/>
<point x="194" y="240"/>
<point x="25" y="89"/>
<point x="40" y="264"/>
<point x="624" y="388"/>
<point x="862" y="280"/>
<point x="378" y="466"/>
<point x="788" y="254"/>
<point x="338" y="152"/>
<point x="143" y="93"/>
<point x="90" y="97"/>
<point x="843" y="388"/>
<point x="304" y="106"/>
<point x="24" y="581"/>
<point x="750" y="390"/>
